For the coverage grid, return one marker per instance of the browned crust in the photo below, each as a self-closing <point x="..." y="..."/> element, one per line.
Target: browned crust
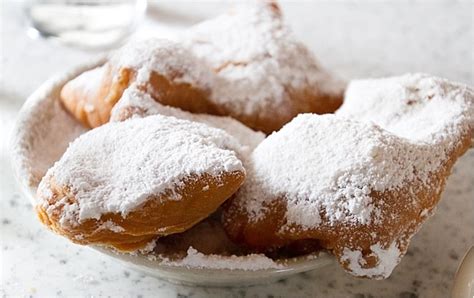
<point x="400" y="219"/>
<point x="93" y="108"/>
<point x="306" y="100"/>
<point x="167" y="91"/>
<point x="158" y="216"/>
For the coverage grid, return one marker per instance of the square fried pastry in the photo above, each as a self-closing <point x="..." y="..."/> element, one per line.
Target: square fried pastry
<point x="124" y="184"/>
<point x="360" y="182"/>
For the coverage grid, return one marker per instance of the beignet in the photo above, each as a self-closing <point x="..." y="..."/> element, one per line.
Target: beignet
<point x="361" y="189"/>
<point x="265" y="76"/>
<point x="126" y="183"/>
<point x="166" y="70"/>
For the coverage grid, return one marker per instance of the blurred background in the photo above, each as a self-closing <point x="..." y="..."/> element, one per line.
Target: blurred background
<point x="352" y="38"/>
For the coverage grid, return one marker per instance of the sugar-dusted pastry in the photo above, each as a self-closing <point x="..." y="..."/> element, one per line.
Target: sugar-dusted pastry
<point x="360" y="189"/>
<point x="166" y="70"/>
<point x="418" y="107"/>
<point x="125" y="183"/>
<point x="137" y="103"/>
<point x="265" y="76"/>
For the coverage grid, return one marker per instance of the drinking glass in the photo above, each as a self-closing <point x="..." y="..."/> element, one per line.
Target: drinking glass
<point x="94" y="24"/>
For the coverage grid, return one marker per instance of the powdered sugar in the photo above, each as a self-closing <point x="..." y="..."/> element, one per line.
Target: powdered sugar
<point x="44" y="130"/>
<point x="325" y="168"/>
<point x="307" y="162"/>
<point x="387" y="258"/>
<point x="257" y="59"/>
<point x="414" y="106"/>
<point x="88" y="82"/>
<point x="164" y="57"/>
<point x="118" y="166"/>
<point x="110" y="225"/>
<point x="142" y="105"/>
<point x="329" y="165"/>
<point x="251" y="262"/>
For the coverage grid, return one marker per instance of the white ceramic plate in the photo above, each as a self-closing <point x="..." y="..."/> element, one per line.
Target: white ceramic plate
<point x="42" y="134"/>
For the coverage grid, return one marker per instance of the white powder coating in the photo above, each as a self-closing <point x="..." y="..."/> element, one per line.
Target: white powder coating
<point x="165" y="57"/>
<point x="133" y="98"/>
<point x="110" y="225"/>
<point x="414" y="106"/>
<point x="88" y="82"/>
<point x="44" y="130"/>
<point x="257" y="59"/>
<point x="328" y="164"/>
<point x="387" y="260"/>
<point x="118" y="166"/>
<point x="251" y="262"/>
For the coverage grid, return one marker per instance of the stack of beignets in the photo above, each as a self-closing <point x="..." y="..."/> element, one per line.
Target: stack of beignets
<point x="173" y="141"/>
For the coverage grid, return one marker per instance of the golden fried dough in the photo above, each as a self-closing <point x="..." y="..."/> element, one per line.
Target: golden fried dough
<point x="265" y="76"/>
<point x="246" y="64"/>
<point x="123" y="184"/>
<point x="361" y="190"/>
<point x="164" y="69"/>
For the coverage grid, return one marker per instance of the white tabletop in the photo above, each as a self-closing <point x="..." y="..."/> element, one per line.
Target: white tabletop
<point x="354" y="40"/>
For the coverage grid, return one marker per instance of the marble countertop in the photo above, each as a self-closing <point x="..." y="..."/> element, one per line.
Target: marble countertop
<point x="353" y="39"/>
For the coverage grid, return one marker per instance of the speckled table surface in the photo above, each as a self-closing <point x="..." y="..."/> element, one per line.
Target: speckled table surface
<point x="355" y="40"/>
